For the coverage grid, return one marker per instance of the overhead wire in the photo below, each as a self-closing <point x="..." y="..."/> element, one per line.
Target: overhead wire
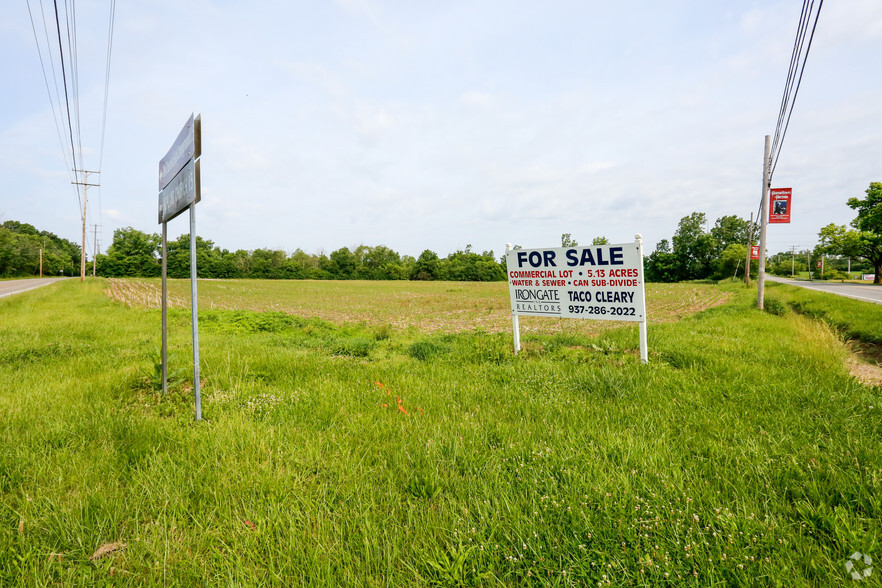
<point x="66" y="111"/>
<point x="800" y="52"/>
<point x="46" y="77"/>
<point x="798" y="59"/>
<point x="64" y="80"/>
<point x="791" y="70"/>
<point x="107" y="79"/>
<point x="70" y="7"/>
<point x="49" y="53"/>
<point x="106" y="94"/>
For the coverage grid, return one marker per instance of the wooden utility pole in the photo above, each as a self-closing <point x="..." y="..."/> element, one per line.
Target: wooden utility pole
<point x="94" y="250"/>
<point x="85" y="184"/>
<point x="749" y="245"/>
<point x="41" y="262"/>
<point x="764" y="219"/>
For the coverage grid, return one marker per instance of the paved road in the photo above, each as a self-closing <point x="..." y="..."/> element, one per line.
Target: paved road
<point x="8" y="287"/>
<point x="866" y="292"/>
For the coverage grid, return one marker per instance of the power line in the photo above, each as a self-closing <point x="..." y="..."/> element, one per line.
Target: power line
<point x="106" y="94"/>
<point x="48" y="90"/>
<point x="68" y="112"/>
<point x="75" y="70"/>
<point x="64" y="78"/>
<point x="780" y="132"/>
<point x="107" y="79"/>
<point x="791" y="70"/>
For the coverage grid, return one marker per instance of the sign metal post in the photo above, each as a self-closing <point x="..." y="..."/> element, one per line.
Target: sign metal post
<point x="641" y="325"/>
<point x="180" y="189"/>
<point x="164" y="310"/>
<point x="197" y="397"/>
<point x="515" y="323"/>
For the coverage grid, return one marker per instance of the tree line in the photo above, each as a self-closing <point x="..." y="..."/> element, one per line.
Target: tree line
<point x="698" y="252"/>
<point x="864" y="239"/>
<point x="21" y="245"/>
<point x="135" y="253"/>
<point x="695" y="252"/>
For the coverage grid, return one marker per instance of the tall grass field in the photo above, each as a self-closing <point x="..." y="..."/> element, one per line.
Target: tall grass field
<point x="384" y="434"/>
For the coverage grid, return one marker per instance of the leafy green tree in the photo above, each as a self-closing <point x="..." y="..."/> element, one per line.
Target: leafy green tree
<point x="382" y="263"/>
<point x="785" y="266"/>
<point x="600" y="241"/>
<point x="426" y="266"/>
<point x="344" y="264"/>
<point x="20" y="247"/>
<point x="209" y="259"/>
<point x="304" y="265"/>
<point x="839" y="240"/>
<point x="20" y="228"/>
<point x="132" y="253"/>
<point x="6" y="262"/>
<point x="268" y="264"/>
<point x="661" y="265"/>
<point x="464" y="265"/>
<point x="566" y="240"/>
<point x="241" y="261"/>
<point x="731" y="258"/>
<point x="729" y="230"/>
<point x="694" y="249"/>
<point x="868" y="242"/>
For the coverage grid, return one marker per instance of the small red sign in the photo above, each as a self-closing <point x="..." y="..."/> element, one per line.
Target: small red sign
<point x="779" y="205"/>
<point x="819" y="265"/>
<point x="754" y="251"/>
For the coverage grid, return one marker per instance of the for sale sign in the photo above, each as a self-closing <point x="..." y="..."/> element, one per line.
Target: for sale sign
<point x="600" y="282"/>
<point x="779" y="209"/>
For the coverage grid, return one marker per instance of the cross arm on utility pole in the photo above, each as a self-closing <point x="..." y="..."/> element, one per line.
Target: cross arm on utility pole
<point x="85" y="184"/>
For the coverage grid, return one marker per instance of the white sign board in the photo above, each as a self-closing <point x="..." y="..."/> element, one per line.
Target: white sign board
<point x="602" y="282"/>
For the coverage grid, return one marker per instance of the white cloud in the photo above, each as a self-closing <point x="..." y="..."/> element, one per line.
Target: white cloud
<point x="435" y="126"/>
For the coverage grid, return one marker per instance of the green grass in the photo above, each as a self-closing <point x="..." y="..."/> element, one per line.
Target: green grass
<point x="359" y="454"/>
<point x="853" y="318"/>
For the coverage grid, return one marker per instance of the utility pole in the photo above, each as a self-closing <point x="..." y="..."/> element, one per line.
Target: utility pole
<point x="85" y="184"/>
<point x="761" y="277"/>
<point x="41" y="262"/>
<point x="793" y="260"/>
<point x="749" y="245"/>
<point x="95" y="249"/>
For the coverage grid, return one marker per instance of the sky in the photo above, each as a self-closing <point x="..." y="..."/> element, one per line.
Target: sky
<point x="438" y="125"/>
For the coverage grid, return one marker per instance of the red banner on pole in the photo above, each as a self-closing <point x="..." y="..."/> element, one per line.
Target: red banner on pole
<point x="754" y="251"/>
<point x="779" y="211"/>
